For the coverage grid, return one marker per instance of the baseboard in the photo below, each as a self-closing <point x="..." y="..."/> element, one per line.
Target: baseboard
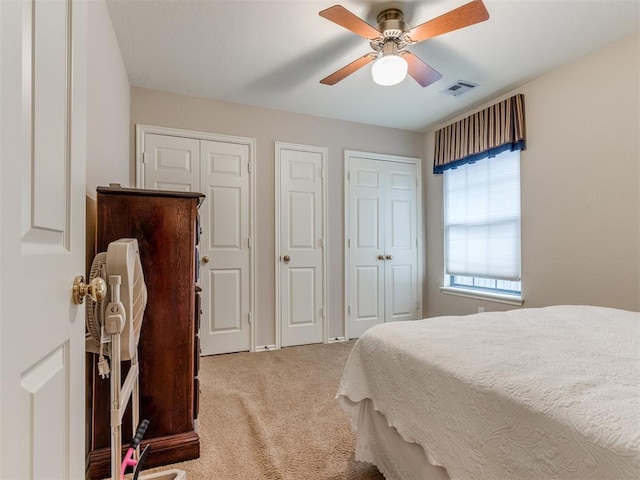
<point x="269" y="348"/>
<point x="266" y="348"/>
<point x="337" y="340"/>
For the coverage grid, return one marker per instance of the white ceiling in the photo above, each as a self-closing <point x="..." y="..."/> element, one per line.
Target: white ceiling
<point x="273" y="54"/>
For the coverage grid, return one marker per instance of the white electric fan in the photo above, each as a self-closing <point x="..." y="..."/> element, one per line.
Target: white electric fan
<point x="113" y="330"/>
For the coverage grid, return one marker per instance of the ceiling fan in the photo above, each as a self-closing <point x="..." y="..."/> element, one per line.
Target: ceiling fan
<point x="393" y="35"/>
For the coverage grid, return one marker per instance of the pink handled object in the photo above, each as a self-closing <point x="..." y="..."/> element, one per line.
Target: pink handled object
<point x="129" y="461"/>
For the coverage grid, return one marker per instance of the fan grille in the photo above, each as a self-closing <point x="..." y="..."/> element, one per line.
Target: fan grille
<point x="94" y="309"/>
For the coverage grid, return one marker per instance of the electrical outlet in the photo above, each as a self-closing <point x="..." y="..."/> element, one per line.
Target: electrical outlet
<point x="480" y="309"/>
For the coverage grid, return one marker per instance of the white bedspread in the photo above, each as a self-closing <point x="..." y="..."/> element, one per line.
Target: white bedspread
<point x="550" y="393"/>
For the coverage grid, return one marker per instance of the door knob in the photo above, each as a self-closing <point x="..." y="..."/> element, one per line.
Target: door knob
<point x="389" y="257"/>
<point x="96" y="289"/>
<point x="380" y="257"/>
<point x="286" y="259"/>
<point x="205" y="259"/>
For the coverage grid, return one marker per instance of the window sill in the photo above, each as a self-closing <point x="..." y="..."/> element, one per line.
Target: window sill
<point x="488" y="296"/>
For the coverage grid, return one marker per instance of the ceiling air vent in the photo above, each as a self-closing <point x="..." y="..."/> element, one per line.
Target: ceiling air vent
<point x="458" y="88"/>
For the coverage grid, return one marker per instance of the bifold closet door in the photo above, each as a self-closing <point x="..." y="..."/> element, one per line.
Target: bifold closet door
<point x="401" y="242"/>
<point x="366" y="245"/>
<point x="382" y="243"/>
<point x="221" y="171"/>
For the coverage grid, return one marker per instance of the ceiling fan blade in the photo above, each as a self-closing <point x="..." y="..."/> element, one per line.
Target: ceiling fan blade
<point x="335" y="77"/>
<point x="343" y="17"/>
<point x="420" y="71"/>
<point x="464" y="16"/>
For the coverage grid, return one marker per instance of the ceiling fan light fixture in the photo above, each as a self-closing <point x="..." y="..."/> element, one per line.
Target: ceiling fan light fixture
<point x="389" y="70"/>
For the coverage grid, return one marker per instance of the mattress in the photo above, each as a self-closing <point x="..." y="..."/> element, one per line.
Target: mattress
<point x="550" y="393"/>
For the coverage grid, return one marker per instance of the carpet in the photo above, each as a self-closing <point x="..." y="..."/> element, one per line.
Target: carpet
<point x="273" y="415"/>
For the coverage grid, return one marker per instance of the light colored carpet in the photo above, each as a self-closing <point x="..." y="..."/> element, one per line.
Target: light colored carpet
<point x="273" y="415"/>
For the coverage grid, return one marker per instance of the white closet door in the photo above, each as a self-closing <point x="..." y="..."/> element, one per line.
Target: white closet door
<point x="383" y="255"/>
<point x="42" y="243"/>
<point x="400" y="244"/>
<point x="224" y="248"/>
<point x="190" y="161"/>
<point x="171" y="163"/>
<point x="366" y="244"/>
<point x="301" y="237"/>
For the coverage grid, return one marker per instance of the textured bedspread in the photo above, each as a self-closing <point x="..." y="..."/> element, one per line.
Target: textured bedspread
<point x="550" y="393"/>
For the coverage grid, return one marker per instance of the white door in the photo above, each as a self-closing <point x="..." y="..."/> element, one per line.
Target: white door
<point x="366" y="237"/>
<point x="401" y="242"/>
<point x="225" y="248"/>
<point x="300" y="208"/>
<point x="171" y="163"/>
<point x="220" y="167"/>
<point x="42" y="243"/>
<point x="382" y="244"/>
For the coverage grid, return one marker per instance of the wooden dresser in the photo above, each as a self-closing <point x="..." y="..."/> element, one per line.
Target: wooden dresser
<point x="167" y="229"/>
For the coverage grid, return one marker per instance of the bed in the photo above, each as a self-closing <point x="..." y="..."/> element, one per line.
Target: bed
<point x="531" y="394"/>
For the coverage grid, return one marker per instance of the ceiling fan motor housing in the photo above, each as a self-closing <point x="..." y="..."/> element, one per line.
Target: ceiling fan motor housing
<point x="391" y="23"/>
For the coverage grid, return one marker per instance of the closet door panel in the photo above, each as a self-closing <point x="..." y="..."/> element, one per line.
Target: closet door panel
<point x="171" y="163"/>
<point x="401" y="249"/>
<point x="383" y="242"/>
<point x="366" y="252"/>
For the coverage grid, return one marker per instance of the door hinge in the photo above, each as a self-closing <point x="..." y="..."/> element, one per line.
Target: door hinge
<point x="322" y="312"/>
<point x="348" y="176"/>
<point x="249" y="167"/>
<point x="144" y="157"/>
<point x="249" y="242"/>
<point x="417" y="305"/>
<point x="349" y="310"/>
<point x="249" y="318"/>
<point x="348" y="242"/>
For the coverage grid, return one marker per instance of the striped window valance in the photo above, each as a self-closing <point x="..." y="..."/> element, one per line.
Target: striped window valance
<point x="484" y="134"/>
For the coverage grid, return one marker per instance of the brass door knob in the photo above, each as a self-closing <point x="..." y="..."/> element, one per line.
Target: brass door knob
<point x="286" y="259"/>
<point x="389" y="257"/>
<point x="205" y="259"/>
<point x="96" y="289"/>
<point x="380" y="257"/>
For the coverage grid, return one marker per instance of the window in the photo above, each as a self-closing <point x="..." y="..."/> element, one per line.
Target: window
<point x="482" y="225"/>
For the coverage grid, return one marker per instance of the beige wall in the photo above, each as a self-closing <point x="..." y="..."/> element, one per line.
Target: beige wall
<point x="108" y="104"/>
<point x="108" y="109"/>
<point x="267" y="126"/>
<point x="580" y="189"/>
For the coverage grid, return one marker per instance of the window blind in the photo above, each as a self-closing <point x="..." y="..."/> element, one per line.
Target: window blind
<point x="482" y="218"/>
